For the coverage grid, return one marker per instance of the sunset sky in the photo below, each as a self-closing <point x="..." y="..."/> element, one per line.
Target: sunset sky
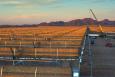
<point x="36" y="11"/>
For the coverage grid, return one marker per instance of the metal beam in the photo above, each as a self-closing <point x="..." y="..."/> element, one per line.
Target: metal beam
<point x="47" y="46"/>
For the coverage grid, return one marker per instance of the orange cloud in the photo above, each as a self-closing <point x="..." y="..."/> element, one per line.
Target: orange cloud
<point x="27" y="16"/>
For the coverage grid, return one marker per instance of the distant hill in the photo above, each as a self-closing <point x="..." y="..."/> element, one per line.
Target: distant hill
<point x="80" y="22"/>
<point x="76" y="22"/>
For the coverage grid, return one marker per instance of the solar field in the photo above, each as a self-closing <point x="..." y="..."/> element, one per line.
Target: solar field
<point x="41" y="41"/>
<point x="31" y="45"/>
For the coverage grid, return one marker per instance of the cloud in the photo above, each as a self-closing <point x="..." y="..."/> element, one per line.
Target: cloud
<point x="10" y="2"/>
<point x="43" y="2"/>
<point x="24" y="16"/>
<point x="98" y="1"/>
<point x="14" y="3"/>
<point x="27" y="2"/>
<point x="23" y="19"/>
<point x="32" y="16"/>
<point x="102" y="1"/>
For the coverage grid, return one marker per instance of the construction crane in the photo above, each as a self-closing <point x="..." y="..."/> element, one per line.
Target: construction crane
<point x="97" y="21"/>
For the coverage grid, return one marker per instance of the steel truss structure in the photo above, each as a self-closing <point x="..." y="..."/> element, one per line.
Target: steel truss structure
<point x="18" y="49"/>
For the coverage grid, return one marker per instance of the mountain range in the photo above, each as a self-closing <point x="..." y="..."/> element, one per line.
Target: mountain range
<point x="80" y="22"/>
<point x="76" y="22"/>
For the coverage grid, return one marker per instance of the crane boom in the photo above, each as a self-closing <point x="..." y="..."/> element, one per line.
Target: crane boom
<point x="96" y="20"/>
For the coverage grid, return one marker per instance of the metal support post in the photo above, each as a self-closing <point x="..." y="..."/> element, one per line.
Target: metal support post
<point x="36" y="72"/>
<point x="1" y="74"/>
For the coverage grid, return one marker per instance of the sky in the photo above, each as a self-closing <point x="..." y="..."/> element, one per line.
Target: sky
<point x="19" y="12"/>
